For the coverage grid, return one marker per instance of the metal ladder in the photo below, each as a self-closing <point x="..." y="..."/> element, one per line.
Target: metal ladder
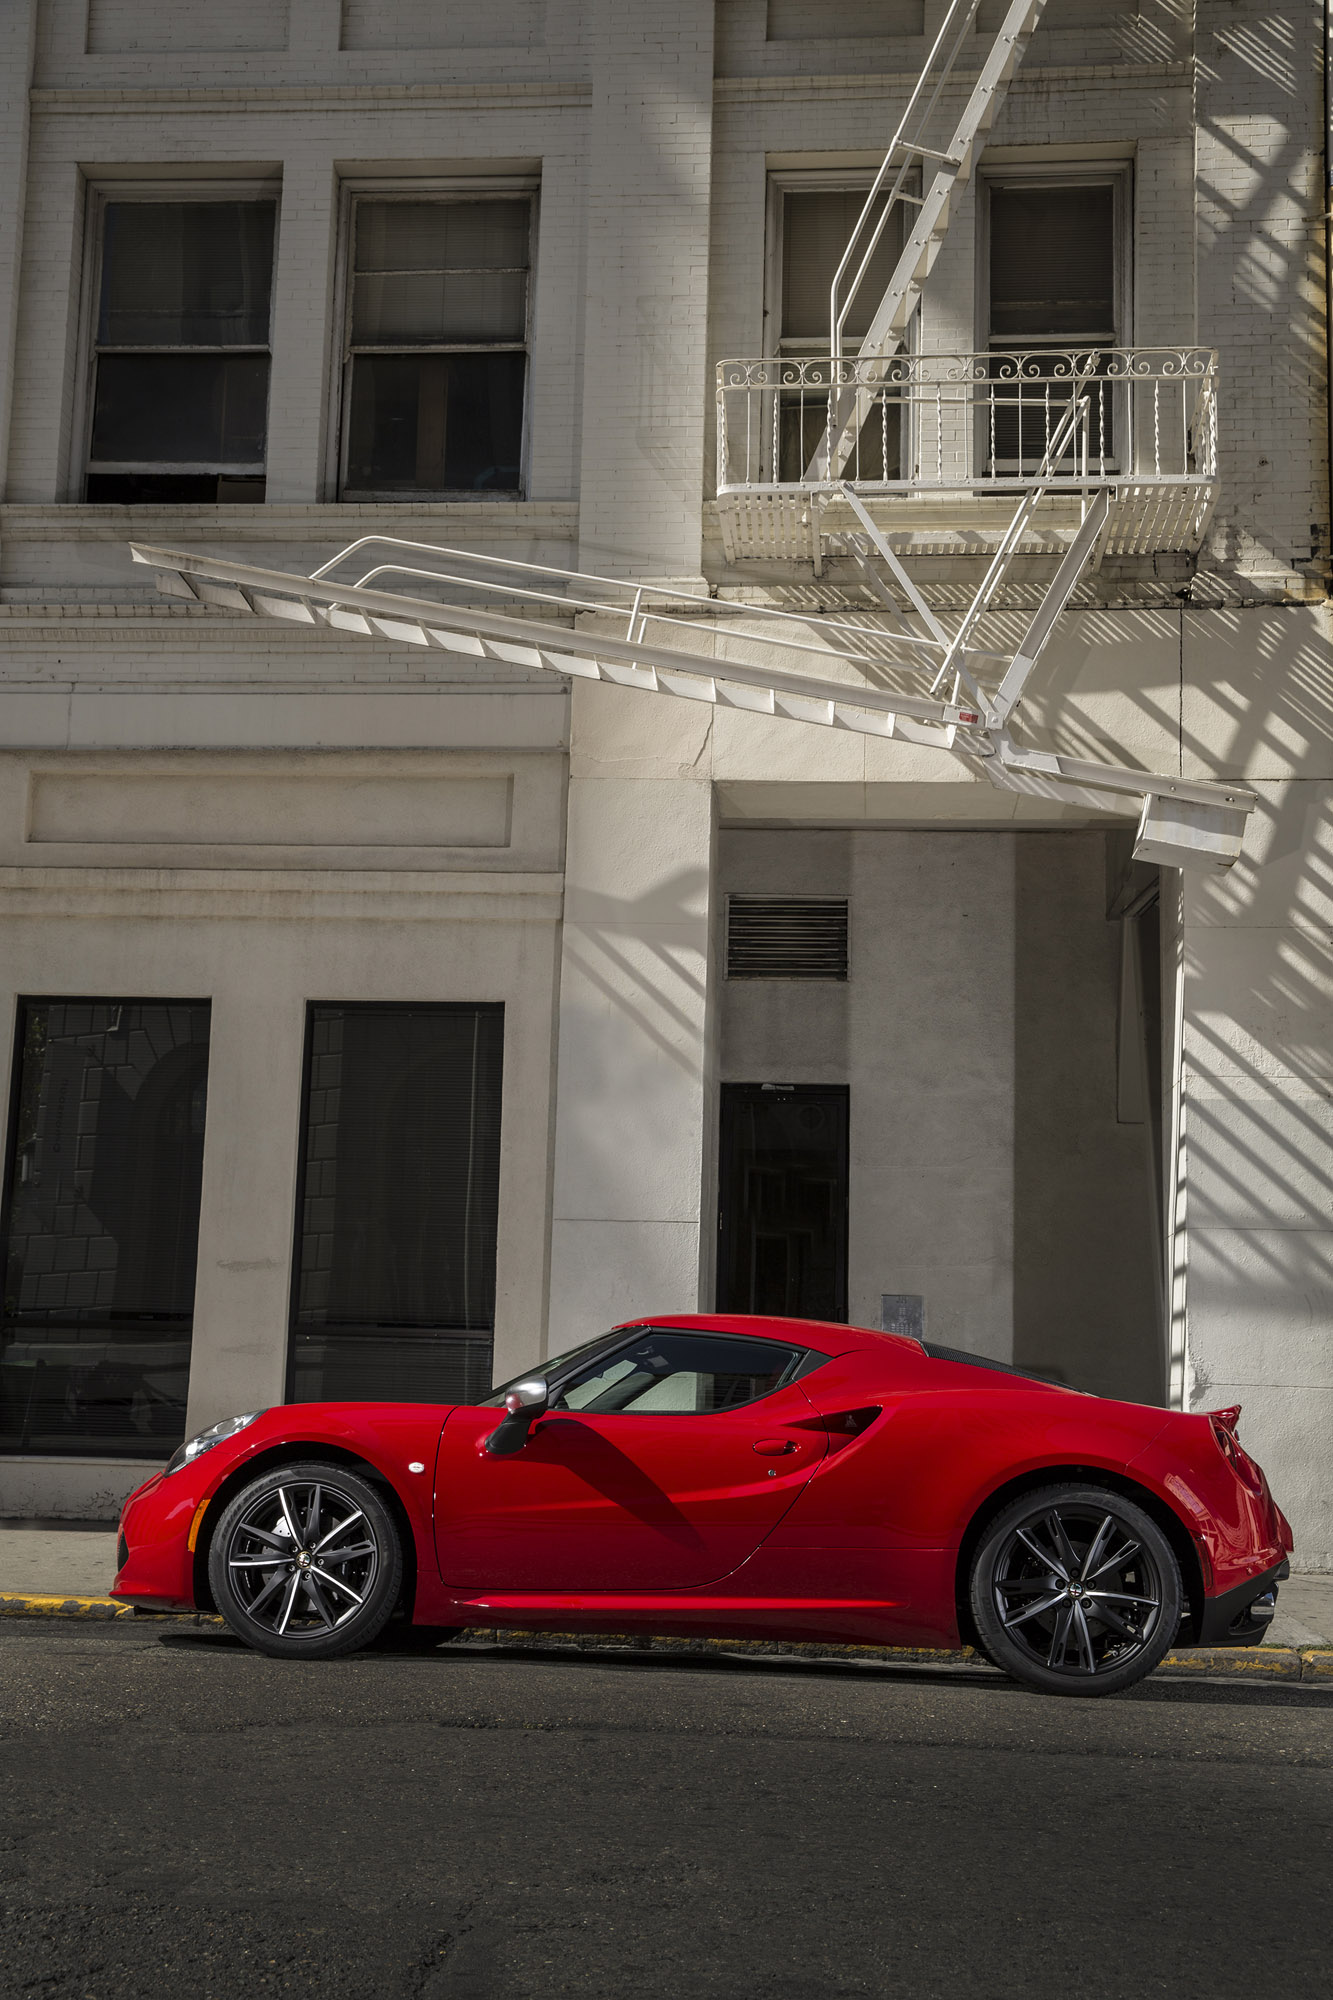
<point x="909" y="151"/>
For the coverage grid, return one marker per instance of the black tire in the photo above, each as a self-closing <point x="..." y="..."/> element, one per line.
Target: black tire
<point x="306" y="1562"/>
<point x="1075" y="1590"/>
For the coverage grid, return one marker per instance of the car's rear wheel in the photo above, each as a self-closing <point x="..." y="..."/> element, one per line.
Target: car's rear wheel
<point x="306" y="1562"/>
<point x="1075" y="1590"/>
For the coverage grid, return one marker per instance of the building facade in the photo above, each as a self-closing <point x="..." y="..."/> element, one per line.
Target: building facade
<point x="378" y="1021"/>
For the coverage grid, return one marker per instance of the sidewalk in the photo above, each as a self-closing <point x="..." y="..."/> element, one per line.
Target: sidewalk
<point x="70" y="1565"/>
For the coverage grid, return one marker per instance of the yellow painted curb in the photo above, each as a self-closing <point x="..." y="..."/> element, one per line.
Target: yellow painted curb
<point x="40" y="1605"/>
<point x="1269" y="1663"/>
<point x="1260" y="1663"/>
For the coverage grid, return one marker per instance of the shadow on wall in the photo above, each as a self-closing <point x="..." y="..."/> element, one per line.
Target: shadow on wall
<point x="1261" y="288"/>
<point x="1087" y="1256"/>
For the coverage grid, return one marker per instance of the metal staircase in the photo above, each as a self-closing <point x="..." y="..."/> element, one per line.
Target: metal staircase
<point x="851" y="400"/>
<point x="1111" y="442"/>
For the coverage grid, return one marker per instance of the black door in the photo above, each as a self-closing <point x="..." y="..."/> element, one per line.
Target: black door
<point x="782" y="1200"/>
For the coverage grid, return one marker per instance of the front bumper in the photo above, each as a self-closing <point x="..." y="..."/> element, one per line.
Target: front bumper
<point x="1242" y="1616"/>
<point x="155" y="1566"/>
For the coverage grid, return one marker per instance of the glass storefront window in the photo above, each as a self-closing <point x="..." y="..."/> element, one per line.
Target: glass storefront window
<point x="400" y="1175"/>
<point x="101" y="1226"/>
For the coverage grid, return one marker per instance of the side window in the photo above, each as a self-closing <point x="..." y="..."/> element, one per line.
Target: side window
<point x="181" y="352"/>
<point x="436" y="354"/>
<point x="671" y="1373"/>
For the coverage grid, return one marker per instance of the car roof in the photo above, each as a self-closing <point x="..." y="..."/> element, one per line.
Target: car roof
<point x="825" y="1336"/>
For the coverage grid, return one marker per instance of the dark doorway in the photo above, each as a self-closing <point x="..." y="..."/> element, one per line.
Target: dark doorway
<point x="398" y="1204"/>
<point x="101" y="1232"/>
<point x="782" y="1200"/>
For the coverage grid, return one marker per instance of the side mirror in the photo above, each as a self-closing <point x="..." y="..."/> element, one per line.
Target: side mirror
<point x="525" y="1402"/>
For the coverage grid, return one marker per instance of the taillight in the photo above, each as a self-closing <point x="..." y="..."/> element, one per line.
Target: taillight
<point x="1223" y="1425"/>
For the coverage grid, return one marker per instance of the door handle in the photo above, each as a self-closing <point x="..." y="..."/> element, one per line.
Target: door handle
<point x="774" y="1447"/>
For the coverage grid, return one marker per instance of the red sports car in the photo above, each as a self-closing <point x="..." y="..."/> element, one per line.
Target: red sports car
<point x="742" y="1477"/>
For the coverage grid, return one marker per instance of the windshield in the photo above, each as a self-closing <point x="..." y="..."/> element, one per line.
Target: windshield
<point x="555" y="1364"/>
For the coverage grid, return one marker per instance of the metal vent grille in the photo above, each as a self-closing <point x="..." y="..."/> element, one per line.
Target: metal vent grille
<point x="787" y="937"/>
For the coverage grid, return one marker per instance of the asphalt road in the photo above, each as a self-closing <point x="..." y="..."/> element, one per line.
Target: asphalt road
<point x="183" y="1817"/>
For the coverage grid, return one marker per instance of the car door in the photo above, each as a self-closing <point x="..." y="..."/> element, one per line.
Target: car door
<point x="661" y="1468"/>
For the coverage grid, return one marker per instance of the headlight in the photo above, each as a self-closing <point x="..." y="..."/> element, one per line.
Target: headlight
<point x="215" y="1434"/>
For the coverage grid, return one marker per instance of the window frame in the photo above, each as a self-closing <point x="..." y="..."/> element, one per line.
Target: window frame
<point x="782" y="182"/>
<point x="805" y="180"/>
<point x="99" y="194"/>
<point x="1115" y="172"/>
<point x="352" y="191"/>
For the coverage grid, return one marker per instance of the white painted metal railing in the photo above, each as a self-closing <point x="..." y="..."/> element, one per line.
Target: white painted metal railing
<point x="582" y="626"/>
<point x="973" y="422"/>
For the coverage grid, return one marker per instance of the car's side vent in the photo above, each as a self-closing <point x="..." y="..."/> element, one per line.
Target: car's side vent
<point x="787" y="937"/>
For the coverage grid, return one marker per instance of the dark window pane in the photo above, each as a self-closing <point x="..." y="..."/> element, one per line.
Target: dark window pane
<point x="1052" y="262"/>
<point x="442" y="235"/>
<point x="816" y="228"/>
<point x="782" y="1189"/>
<point x="338" y="1365"/>
<point x="102" y="1222"/>
<point x="436" y="422"/>
<point x="400" y="1185"/>
<point x="440" y="271"/>
<point x="173" y="489"/>
<point x="186" y="274"/>
<point x="180" y="409"/>
<point x="426" y="307"/>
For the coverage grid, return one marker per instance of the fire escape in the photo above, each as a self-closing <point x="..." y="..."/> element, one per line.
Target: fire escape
<point x="871" y="459"/>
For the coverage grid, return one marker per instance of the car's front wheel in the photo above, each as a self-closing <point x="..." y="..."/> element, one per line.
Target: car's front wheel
<point x="306" y="1562"/>
<point x="1075" y="1590"/>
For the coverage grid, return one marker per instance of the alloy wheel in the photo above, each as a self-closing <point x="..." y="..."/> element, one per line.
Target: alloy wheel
<point x="302" y="1559"/>
<point x="1077" y="1590"/>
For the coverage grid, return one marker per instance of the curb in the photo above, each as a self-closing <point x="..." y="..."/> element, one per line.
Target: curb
<point x="1256" y="1663"/>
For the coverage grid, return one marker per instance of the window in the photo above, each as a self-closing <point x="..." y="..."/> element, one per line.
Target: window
<point x="400" y="1175"/>
<point x="101" y="1225"/>
<point x="814" y="220"/>
<point x="436" y="358"/>
<point x="1055" y="294"/>
<point x="782" y="1195"/>
<point x="181" y="351"/>
<point x="667" y="1373"/>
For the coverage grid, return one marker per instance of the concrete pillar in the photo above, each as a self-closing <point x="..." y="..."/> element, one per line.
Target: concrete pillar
<point x="645" y="358"/>
<point x="246" y="1215"/>
<point x="632" y="1212"/>
<point x="18" y="43"/>
<point x="932" y="1052"/>
<point x="302" y="319"/>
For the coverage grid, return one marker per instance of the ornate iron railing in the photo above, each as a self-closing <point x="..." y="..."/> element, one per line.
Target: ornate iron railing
<point x="965" y="422"/>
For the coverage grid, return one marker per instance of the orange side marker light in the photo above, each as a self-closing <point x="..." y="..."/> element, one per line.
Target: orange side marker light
<point x="193" y="1535"/>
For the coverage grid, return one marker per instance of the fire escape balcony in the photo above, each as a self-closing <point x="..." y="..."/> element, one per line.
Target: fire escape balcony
<point x="945" y="445"/>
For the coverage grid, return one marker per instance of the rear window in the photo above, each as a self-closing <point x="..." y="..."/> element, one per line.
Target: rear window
<point x="938" y="1353"/>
